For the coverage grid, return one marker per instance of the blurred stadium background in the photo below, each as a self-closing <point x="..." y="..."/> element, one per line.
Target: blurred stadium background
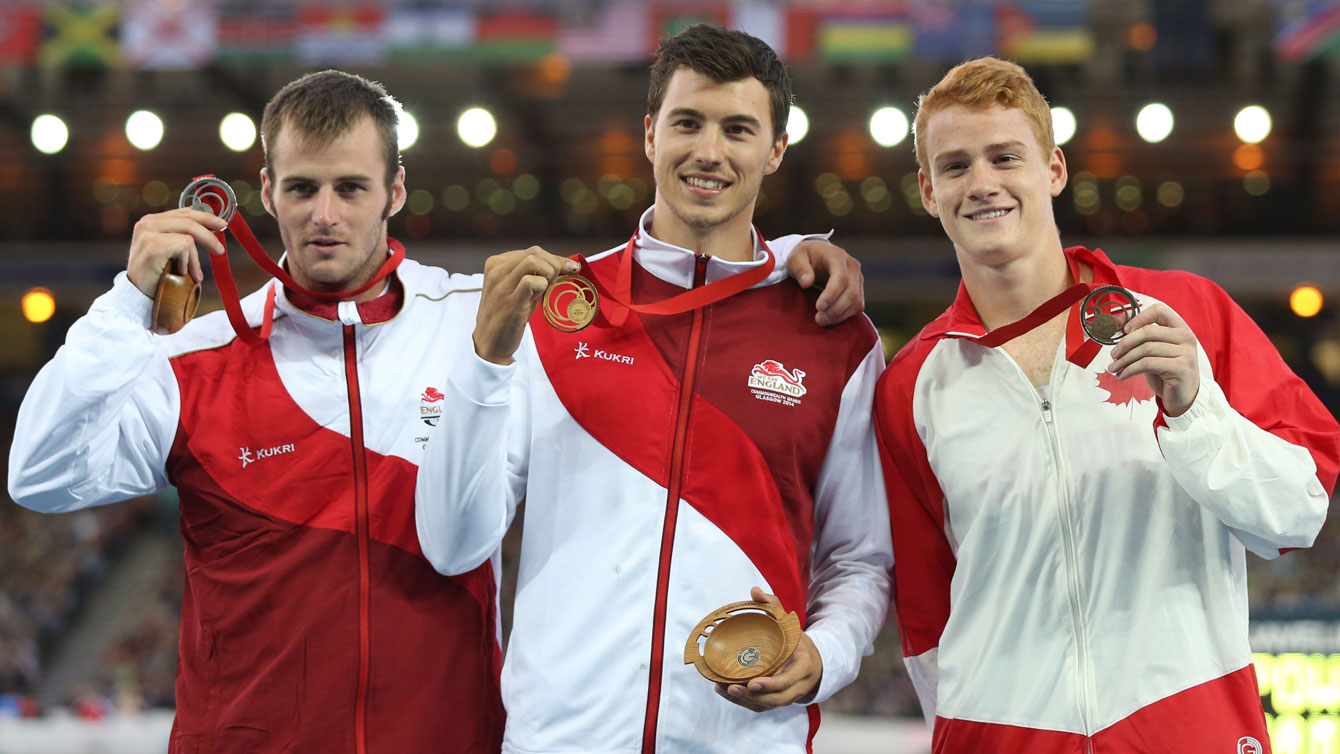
<point x="1200" y="134"/>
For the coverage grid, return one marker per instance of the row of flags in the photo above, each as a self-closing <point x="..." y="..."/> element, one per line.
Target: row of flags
<point x="185" y="34"/>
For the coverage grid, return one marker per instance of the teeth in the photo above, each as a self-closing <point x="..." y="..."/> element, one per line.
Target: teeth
<point x="705" y="183"/>
<point x="989" y="215"/>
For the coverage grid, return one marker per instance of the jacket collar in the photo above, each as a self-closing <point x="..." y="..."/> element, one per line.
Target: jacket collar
<point x="381" y="309"/>
<point x="961" y="319"/>
<point x="676" y="264"/>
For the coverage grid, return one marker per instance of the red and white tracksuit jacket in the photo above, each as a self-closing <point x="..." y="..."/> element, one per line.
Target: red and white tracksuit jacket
<point x="311" y="621"/>
<point x="1071" y="569"/>
<point x="662" y="482"/>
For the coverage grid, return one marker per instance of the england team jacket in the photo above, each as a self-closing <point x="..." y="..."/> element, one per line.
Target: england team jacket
<point x="667" y="466"/>
<point x="311" y="622"/>
<point x="1071" y="565"/>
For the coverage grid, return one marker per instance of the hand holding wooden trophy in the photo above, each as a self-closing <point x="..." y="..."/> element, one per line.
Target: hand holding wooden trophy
<point x="742" y="640"/>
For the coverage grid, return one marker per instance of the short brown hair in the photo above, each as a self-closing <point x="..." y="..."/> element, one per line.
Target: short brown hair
<point x="328" y="104"/>
<point x="982" y="83"/>
<point x="722" y="55"/>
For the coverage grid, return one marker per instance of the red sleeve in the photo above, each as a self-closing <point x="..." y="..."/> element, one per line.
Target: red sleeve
<point x="1253" y="375"/>
<point x="923" y="561"/>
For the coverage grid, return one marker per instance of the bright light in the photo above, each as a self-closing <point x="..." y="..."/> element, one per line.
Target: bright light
<point x="888" y="126"/>
<point x="237" y="131"/>
<point x="797" y="126"/>
<point x="144" y="129"/>
<point x="1154" y="122"/>
<point x="49" y="134"/>
<point x="1252" y="124"/>
<point x="38" y="305"/>
<point x="476" y="127"/>
<point x="1063" y="124"/>
<point x="1305" y="301"/>
<point x="407" y="129"/>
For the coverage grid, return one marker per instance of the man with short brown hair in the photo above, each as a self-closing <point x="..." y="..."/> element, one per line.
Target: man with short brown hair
<point x="704" y="442"/>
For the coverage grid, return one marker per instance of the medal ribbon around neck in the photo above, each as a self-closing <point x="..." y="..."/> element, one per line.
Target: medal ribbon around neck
<point x="1079" y="327"/>
<point x="210" y="194"/>
<point x="586" y="290"/>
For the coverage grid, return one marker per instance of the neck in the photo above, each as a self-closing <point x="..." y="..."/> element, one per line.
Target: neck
<point x="1010" y="291"/>
<point x="732" y="241"/>
<point x="359" y="280"/>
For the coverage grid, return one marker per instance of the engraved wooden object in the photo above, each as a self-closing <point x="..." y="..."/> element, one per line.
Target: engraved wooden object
<point x="175" y="301"/>
<point x="742" y="640"/>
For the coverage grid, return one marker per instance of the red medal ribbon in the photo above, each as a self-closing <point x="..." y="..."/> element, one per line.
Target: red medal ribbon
<point x="232" y="302"/>
<point x="687" y="301"/>
<point x="1084" y="349"/>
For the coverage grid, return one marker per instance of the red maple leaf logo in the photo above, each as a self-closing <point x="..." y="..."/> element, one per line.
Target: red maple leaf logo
<point x="1120" y="392"/>
<point x="431" y="395"/>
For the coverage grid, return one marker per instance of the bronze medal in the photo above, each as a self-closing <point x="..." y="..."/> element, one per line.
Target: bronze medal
<point x="570" y="303"/>
<point x="1105" y="311"/>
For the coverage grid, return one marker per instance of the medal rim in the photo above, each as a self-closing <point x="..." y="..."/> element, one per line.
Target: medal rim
<point x="1084" y="305"/>
<point x="562" y="322"/>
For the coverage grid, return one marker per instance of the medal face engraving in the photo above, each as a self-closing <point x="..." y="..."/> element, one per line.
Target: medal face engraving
<point x="1105" y="311"/>
<point x="210" y="194"/>
<point x="748" y="657"/>
<point x="570" y="303"/>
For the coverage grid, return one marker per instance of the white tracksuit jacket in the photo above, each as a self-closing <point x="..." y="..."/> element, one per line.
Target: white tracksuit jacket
<point x="1071" y="572"/>
<point x="661" y="484"/>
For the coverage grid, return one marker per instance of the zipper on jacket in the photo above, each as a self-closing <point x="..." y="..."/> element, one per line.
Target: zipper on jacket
<point x="1072" y="565"/>
<point x="361" y="528"/>
<point x="671" y="514"/>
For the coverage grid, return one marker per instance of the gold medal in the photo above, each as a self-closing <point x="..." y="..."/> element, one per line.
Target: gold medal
<point x="570" y="303"/>
<point x="1105" y="311"/>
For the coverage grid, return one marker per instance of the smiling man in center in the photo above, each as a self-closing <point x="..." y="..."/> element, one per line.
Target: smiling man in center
<point x="703" y="442"/>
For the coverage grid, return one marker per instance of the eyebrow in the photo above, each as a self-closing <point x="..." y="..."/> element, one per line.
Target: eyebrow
<point x="737" y="118"/>
<point x="999" y="146"/>
<point x="291" y="179"/>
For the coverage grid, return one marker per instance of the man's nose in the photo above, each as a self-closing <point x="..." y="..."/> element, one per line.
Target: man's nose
<point x="325" y="207"/>
<point x="983" y="182"/>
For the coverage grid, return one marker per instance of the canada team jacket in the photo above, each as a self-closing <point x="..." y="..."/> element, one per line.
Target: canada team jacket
<point x="310" y="622"/>
<point x="668" y="465"/>
<point x="1071" y="571"/>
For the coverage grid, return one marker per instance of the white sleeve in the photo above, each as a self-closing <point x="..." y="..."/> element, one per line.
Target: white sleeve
<point x="98" y="421"/>
<point x="1264" y="488"/>
<point x="782" y="247"/>
<point x="473" y="473"/>
<point x="851" y="576"/>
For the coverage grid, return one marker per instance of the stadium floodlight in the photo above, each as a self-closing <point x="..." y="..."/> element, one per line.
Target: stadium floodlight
<point x="237" y="132"/>
<point x="476" y="127"/>
<point x="144" y="130"/>
<point x="888" y="126"/>
<point x="1154" y="122"/>
<point x="1252" y="124"/>
<point x="797" y="126"/>
<point x="1306" y="300"/>
<point x="1063" y="124"/>
<point x="49" y="134"/>
<point x="38" y="305"/>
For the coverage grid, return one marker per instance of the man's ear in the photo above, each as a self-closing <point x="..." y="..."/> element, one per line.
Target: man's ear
<point x="398" y="193"/>
<point x="1057" y="173"/>
<point x="927" y="192"/>
<point x="267" y="187"/>
<point x="649" y="138"/>
<point x="775" y="158"/>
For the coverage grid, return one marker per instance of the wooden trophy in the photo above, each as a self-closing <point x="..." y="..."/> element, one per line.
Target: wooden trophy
<point x="743" y="640"/>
